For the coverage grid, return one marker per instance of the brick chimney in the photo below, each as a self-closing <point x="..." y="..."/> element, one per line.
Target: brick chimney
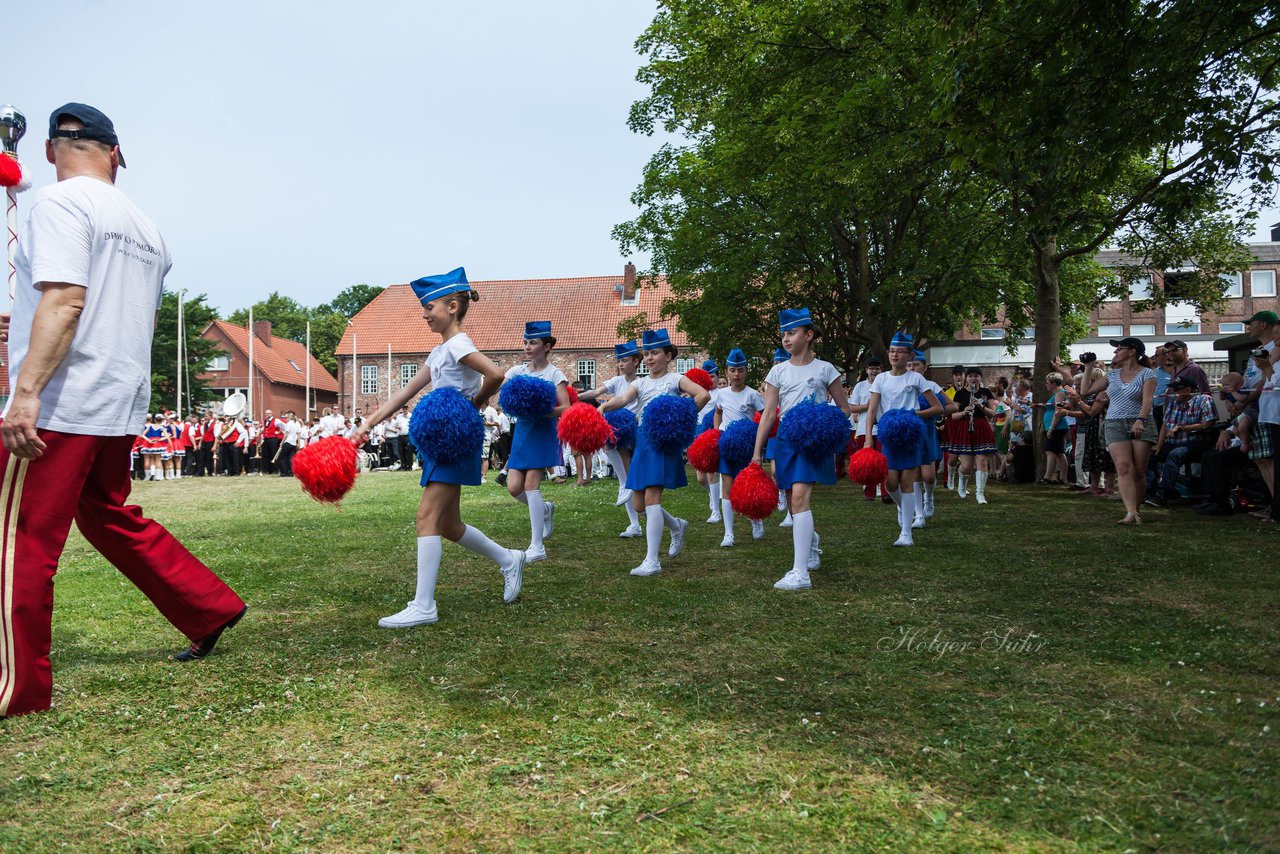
<point x="629" y="282"/>
<point x="262" y="331"/>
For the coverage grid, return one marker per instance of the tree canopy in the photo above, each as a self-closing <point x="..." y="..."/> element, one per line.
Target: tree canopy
<point x="289" y="319"/>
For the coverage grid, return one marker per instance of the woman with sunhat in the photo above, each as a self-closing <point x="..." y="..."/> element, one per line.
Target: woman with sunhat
<point x="619" y="455"/>
<point x="803" y="378"/>
<point x="535" y="446"/>
<point x="453" y="363"/>
<point x="901" y="388"/>
<point x="736" y="402"/>
<point x="653" y="470"/>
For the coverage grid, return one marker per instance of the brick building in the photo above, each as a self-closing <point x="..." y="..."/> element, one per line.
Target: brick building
<point x="390" y="338"/>
<point x="1248" y="291"/>
<point x="279" y="370"/>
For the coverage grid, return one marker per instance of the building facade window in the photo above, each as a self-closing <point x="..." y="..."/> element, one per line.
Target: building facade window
<point x="1142" y="329"/>
<point x="368" y="379"/>
<point x="643" y="370"/>
<point x="408" y="372"/>
<point x="1110" y="331"/>
<point x="1190" y="326"/>
<point x="220" y="363"/>
<point x="992" y="333"/>
<point x="1140" y="288"/>
<point x="1263" y="283"/>
<point x="1224" y="328"/>
<point x="1234" y="285"/>
<point x="587" y="373"/>
<point x="683" y="365"/>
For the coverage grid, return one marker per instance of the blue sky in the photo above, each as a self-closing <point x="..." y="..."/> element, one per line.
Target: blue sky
<point x="305" y="147"/>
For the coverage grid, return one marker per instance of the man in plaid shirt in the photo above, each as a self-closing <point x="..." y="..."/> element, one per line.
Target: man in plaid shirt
<point x="1184" y="436"/>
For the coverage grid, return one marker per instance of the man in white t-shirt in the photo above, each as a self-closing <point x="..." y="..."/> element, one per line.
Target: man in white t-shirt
<point x="292" y="431"/>
<point x="90" y="271"/>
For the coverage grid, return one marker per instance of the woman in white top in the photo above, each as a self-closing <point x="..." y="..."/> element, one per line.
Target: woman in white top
<point x="1129" y="429"/>
<point x="628" y="355"/>
<point x="535" y="447"/>
<point x="804" y="378"/>
<point x="902" y="388"/>
<point x="653" y="470"/>
<point x="736" y="402"/>
<point x="454" y="363"/>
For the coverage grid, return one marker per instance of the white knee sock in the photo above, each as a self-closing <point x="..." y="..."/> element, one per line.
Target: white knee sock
<point x="919" y="496"/>
<point x="962" y="484"/>
<point x="908" y="513"/>
<point x="523" y="497"/>
<point x="667" y="519"/>
<point x="474" y="540"/>
<point x="615" y="459"/>
<point x="632" y="515"/>
<point x="981" y="479"/>
<point x="726" y="510"/>
<point x="715" y="494"/>
<point x="533" y="497"/>
<point x="896" y="495"/>
<point x="429" y="550"/>
<point x="653" y="531"/>
<point x="801" y="540"/>
<point x="928" y="490"/>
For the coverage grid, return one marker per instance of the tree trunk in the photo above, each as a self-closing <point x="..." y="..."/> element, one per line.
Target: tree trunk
<point x="1047" y="266"/>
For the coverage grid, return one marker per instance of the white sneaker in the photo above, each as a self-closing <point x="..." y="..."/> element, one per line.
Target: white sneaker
<point x="548" y="519"/>
<point x="727" y="542"/>
<point x="815" y="559"/>
<point x="715" y="519"/>
<point x="632" y="531"/>
<point x="647" y="568"/>
<point x="512" y="576"/>
<point x="531" y="556"/>
<point x="624" y="495"/>
<point x="918" y="522"/>
<point x="904" y="540"/>
<point x="785" y="523"/>
<point x="782" y="501"/>
<point x="677" y="537"/>
<point x="413" y="615"/>
<point x="794" y="580"/>
<point x="928" y="506"/>
<point x="757" y="529"/>
<point x="982" y="499"/>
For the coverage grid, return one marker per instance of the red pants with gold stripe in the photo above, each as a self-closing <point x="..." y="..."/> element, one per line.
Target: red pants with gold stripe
<point x="85" y="478"/>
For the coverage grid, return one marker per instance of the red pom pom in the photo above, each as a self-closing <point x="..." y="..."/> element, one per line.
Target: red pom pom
<point x="773" y="431"/>
<point x="327" y="469"/>
<point x="10" y="171"/>
<point x="868" y="466"/>
<point x="704" y="453"/>
<point x="584" y="429"/>
<point x="754" y="493"/>
<point x="573" y="394"/>
<point x="701" y="377"/>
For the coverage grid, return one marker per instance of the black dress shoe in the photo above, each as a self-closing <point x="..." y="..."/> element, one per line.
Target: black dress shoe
<point x="199" y="649"/>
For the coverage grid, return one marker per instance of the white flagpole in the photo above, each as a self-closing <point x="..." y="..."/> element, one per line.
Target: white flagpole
<point x="355" y="356"/>
<point x="306" y="403"/>
<point x="251" y="361"/>
<point x="178" y="408"/>
<point x="388" y="373"/>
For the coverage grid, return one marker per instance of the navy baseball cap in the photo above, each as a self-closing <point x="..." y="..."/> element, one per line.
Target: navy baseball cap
<point x="96" y="125"/>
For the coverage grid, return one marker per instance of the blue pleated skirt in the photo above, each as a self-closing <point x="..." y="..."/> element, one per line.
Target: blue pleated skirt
<point x="904" y="460"/>
<point x="931" y="450"/>
<point x="732" y="471"/>
<point x="465" y="471"/>
<point x="793" y="467"/>
<point x="534" y="444"/>
<point x="768" y="447"/>
<point x="651" y="467"/>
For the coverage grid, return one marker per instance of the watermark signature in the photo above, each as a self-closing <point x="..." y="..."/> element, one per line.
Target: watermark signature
<point x="938" y="644"/>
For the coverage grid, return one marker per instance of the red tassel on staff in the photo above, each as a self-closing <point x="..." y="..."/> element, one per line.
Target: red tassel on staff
<point x="10" y="171"/>
<point x="584" y="429"/>
<point x="704" y="453"/>
<point x="754" y="493"/>
<point x="327" y="469"/>
<point x="868" y="466"/>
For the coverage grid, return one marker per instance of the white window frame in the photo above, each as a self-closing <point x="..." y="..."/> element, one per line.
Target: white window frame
<point x="408" y="371"/>
<point x="684" y="364"/>
<point x="1111" y="297"/>
<point x="1110" y="330"/>
<point x="1235" y="285"/>
<point x="1183" y="327"/>
<point x="1268" y="276"/>
<point x="368" y="379"/>
<point x="992" y="333"/>
<point x="642" y="370"/>
<point x="1139" y="329"/>
<point x="220" y="362"/>
<point x="1029" y="333"/>
<point x="1229" y="328"/>
<point x="1140" y="288"/>
<point x="587" y="372"/>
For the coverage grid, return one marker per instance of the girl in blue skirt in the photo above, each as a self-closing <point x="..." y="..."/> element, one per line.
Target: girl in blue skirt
<point x="453" y="363"/>
<point x="924" y="487"/>
<point x="803" y="378"/>
<point x="779" y="356"/>
<point x="653" y="470"/>
<point x="628" y="356"/>
<point x="535" y="446"/>
<point x="736" y="402"/>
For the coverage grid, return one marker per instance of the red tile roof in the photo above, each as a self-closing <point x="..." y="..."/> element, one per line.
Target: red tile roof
<point x="274" y="361"/>
<point x="584" y="313"/>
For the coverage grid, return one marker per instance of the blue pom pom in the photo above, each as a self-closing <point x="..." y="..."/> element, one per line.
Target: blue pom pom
<point x="669" y="423"/>
<point x="623" y="422"/>
<point x="708" y="421"/>
<point x="900" y="430"/>
<point x="446" y="427"/>
<point x="816" y="430"/>
<point x="527" y="397"/>
<point x="738" y="443"/>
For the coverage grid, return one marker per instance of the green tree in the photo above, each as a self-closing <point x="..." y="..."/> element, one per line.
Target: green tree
<point x="807" y="173"/>
<point x="289" y="319"/>
<point x="351" y="300"/>
<point x="196" y="315"/>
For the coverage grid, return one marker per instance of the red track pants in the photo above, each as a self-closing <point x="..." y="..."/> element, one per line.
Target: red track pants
<point x="85" y="478"/>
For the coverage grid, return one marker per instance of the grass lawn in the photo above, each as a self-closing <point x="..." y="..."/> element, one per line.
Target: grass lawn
<point x="1029" y="677"/>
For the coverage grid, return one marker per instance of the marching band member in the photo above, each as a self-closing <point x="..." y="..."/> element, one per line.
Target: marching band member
<point x="969" y="435"/>
<point x="933" y="446"/>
